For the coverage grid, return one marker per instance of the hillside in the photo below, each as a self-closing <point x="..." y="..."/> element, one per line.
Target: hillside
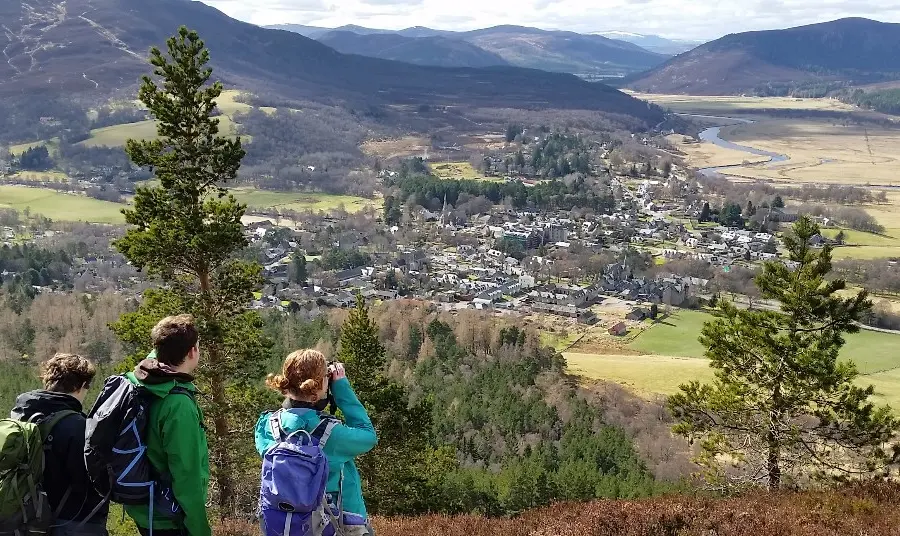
<point x="427" y="50"/>
<point x="653" y="43"/>
<point x="869" y="509"/>
<point x="557" y="51"/>
<point x="106" y="42"/>
<point x="842" y="52"/>
<point x="563" y="51"/>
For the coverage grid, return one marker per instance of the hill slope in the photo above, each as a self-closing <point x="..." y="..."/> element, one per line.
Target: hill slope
<point x="428" y="50"/>
<point x="846" y="51"/>
<point x="563" y="51"/>
<point x="95" y="47"/>
<point x="862" y="509"/>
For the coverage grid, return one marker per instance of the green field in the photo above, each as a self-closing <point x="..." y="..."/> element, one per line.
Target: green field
<point x="645" y="374"/>
<point x="60" y="206"/>
<point x="672" y="355"/>
<point x="299" y="201"/>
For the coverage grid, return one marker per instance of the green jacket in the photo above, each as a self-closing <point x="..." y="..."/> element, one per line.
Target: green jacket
<point x="347" y="441"/>
<point x="176" y="446"/>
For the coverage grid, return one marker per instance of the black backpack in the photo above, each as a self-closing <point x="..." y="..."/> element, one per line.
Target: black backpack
<point x="115" y="448"/>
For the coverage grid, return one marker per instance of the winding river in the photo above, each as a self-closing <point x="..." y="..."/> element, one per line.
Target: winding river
<point x="711" y="135"/>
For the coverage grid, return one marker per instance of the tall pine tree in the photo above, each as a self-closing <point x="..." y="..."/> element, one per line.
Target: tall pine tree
<point x="398" y="475"/>
<point x="187" y="233"/>
<point x="782" y="404"/>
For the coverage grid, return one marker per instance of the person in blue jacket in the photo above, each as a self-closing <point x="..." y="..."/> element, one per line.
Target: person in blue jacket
<point x="304" y="381"/>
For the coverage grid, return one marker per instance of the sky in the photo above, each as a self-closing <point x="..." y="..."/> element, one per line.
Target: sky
<point x="676" y="19"/>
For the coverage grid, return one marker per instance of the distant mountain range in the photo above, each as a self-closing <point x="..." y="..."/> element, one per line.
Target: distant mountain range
<point x="590" y="56"/>
<point x="89" y="49"/>
<point x="804" y="60"/>
<point x="653" y="43"/>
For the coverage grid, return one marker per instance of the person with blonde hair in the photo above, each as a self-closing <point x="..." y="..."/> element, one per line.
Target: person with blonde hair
<point x="305" y="381"/>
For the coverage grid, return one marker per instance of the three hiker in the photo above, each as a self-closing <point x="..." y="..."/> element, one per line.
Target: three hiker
<point x="144" y="445"/>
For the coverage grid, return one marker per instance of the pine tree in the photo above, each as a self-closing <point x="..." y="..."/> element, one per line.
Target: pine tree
<point x="396" y="474"/>
<point x="299" y="266"/>
<point x="705" y="213"/>
<point x="840" y="238"/>
<point x="187" y="233"/>
<point x="782" y="404"/>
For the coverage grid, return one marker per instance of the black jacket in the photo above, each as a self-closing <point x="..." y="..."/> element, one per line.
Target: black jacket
<point x="63" y="455"/>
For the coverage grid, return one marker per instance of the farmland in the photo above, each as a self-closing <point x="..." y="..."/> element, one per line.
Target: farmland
<point x="669" y="353"/>
<point x="73" y="207"/>
<point x="724" y="104"/>
<point x="60" y="206"/>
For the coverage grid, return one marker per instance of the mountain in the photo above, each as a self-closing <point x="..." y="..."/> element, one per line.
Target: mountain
<point x="308" y="31"/>
<point x="590" y="56"/>
<point x="653" y="43"/>
<point x="559" y="51"/>
<point x="93" y="48"/>
<point x="431" y="50"/>
<point x="806" y="58"/>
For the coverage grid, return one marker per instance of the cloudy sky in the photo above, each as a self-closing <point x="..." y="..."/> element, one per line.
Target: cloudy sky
<point x="685" y="19"/>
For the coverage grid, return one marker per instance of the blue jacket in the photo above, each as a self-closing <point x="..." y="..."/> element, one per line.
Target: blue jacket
<point x="354" y="437"/>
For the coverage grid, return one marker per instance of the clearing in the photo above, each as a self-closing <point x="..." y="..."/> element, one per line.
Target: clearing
<point x="459" y="170"/>
<point x="299" y="201"/>
<point x="396" y="147"/>
<point x="60" y="206"/>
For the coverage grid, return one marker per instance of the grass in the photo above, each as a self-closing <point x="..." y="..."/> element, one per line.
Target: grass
<point x="557" y="340"/>
<point x="61" y="206"/>
<point x="821" y="151"/>
<point x="299" y="201"/>
<point x="672" y="355"/>
<point x="117" y="135"/>
<point x="459" y="170"/>
<point x="724" y="104"/>
<point x="645" y="374"/>
<point x="41" y="176"/>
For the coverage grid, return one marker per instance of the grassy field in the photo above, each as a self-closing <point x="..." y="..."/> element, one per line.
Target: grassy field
<point x="60" y="206"/>
<point x="40" y="176"/>
<point x="116" y="135"/>
<point x="669" y="354"/>
<point x="459" y="170"/>
<point x="821" y="152"/>
<point x="302" y="200"/>
<point x="860" y="245"/>
<point x="396" y="147"/>
<point x="718" y="105"/>
<point x="645" y="374"/>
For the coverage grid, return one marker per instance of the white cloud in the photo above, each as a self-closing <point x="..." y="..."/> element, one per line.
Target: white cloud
<point x="687" y="19"/>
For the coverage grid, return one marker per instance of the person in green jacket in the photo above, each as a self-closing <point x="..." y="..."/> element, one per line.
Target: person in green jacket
<point x="176" y="438"/>
<point x="304" y="381"/>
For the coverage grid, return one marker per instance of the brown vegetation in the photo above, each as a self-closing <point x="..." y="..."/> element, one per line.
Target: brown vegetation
<point x="858" y="510"/>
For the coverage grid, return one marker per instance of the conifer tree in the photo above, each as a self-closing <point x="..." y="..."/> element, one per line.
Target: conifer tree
<point x="300" y="270"/>
<point x="782" y="404"/>
<point x="396" y="474"/>
<point x="187" y="233"/>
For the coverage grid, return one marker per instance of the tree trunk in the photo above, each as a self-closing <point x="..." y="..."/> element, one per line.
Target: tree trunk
<point x="773" y="463"/>
<point x="221" y="453"/>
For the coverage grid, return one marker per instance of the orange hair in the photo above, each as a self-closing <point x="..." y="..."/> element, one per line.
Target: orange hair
<point x="302" y="374"/>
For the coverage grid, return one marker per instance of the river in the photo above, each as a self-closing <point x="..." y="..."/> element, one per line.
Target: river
<point x="711" y="135"/>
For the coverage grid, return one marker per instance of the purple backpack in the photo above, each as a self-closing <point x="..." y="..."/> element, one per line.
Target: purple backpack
<point x="294" y="474"/>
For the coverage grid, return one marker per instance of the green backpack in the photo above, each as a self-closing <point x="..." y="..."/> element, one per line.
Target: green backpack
<point x="24" y="508"/>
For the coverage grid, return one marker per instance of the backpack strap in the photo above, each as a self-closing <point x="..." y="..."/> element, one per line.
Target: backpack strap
<point x="323" y="430"/>
<point x="46" y="425"/>
<point x="275" y="426"/>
